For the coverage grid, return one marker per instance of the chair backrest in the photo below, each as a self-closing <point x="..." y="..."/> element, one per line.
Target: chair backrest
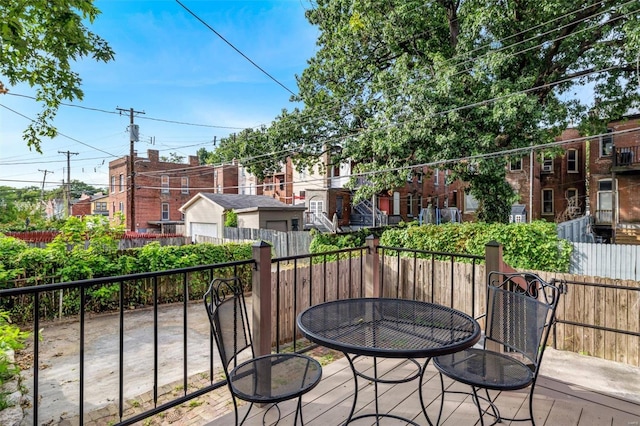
<point x="227" y="311"/>
<point x="520" y="312"/>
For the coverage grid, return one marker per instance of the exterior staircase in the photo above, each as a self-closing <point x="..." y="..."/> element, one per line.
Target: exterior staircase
<point x="628" y="234"/>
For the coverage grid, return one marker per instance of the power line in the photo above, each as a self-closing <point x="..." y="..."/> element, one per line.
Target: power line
<point x="235" y="48"/>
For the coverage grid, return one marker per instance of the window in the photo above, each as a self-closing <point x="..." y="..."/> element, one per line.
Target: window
<point x="572" y="160"/>
<point x="547" y="164"/>
<point x="605" y="185"/>
<point x="453" y="200"/>
<point x="515" y="164"/>
<point x="396" y="203"/>
<point x="606" y="144"/>
<point x="470" y="203"/>
<point x="436" y="177"/>
<point x="547" y="201"/>
<point x="113" y="184"/>
<point x="165" y="211"/>
<point x="410" y="205"/>
<point x="121" y="182"/>
<point x="164" y="184"/>
<point x="121" y="206"/>
<point x="604" y="209"/>
<point x="184" y="184"/>
<point x="316" y="207"/>
<point x="572" y="201"/>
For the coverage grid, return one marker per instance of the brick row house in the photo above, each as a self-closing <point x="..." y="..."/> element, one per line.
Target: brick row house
<point x="162" y="187"/>
<point x="599" y="175"/>
<point x="553" y="187"/>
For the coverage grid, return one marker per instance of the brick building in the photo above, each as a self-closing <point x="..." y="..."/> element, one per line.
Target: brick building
<point x="552" y="187"/>
<point x="161" y="188"/>
<point x="614" y="182"/>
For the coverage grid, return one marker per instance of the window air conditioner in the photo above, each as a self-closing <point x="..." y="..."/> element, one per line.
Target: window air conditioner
<point x="547" y="167"/>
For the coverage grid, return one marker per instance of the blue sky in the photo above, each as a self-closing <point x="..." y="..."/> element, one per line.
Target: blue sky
<point x="172" y="67"/>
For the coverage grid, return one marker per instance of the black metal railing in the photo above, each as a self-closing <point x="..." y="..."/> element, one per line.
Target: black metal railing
<point x="310" y="279"/>
<point x="451" y="279"/>
<point x="183" y="286"/>
<point x="626" y="156"/>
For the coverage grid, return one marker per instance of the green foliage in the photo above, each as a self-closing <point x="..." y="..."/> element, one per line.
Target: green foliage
<point x="399" y="84"/>
<point x="88" y="248"/>
<point x="231" y="219"/>
<point x="11" y="338"/>
<point x="534" y="246"/>
<point x="39" y="45"/>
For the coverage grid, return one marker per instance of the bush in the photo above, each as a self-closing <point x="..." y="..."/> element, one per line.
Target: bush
<point x="533" y="246"/>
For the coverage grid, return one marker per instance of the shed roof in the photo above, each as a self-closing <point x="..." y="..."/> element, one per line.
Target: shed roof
<point x="242" y="202"/>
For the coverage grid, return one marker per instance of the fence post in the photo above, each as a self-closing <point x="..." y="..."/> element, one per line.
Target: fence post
<point x="372" y="284"/>
<point x="261" y="298"/>
<point x="492" y="259"/>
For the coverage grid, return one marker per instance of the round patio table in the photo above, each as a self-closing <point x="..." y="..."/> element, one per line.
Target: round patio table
<point x="388" y="328"/>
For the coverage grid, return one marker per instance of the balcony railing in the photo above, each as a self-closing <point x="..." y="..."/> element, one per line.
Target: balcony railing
<point x="627" y="158"/>
<point x="282" y="288"/>
<point x="603" y="217"/>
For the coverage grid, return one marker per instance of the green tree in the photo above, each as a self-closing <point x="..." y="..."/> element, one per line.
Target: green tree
<point x="172" y="158"/>
<point x="397" y="84"/>
<point x="77" y="189"/>
<point x="39" y="41"/>
<point x="20" y="208"/>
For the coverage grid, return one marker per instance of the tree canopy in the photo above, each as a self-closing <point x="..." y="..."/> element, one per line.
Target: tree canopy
<point x="39" y="42"/>
<point x="399" y="84"/>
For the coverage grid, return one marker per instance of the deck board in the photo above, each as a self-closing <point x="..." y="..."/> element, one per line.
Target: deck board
<point x="555" y="402"/>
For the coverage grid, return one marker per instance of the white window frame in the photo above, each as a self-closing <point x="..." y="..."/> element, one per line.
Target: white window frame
<point x="121" y="183"/>
<point x="164" y="211"/>
<point x="544" y="202"/>
<point x="409" y="205"/>
<point x="572" y="163"/>
<point x="184" y="184"/>
<point x="470" y="203"/>
<point x="547" y="164"/>
<point x="606" y="144"/>
<point x="113" y="184"/>
<point x="515" y="165"/>
<point x="164" y="184"/>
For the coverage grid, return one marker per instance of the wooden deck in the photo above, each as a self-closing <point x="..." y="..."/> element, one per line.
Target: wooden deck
<point x="555" y="403"/>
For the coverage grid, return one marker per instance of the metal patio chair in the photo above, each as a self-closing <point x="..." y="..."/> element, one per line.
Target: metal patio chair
<point x="520" y="312"/>
<point x="267" y="379"/>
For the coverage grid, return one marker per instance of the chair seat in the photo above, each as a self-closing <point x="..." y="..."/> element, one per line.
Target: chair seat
<point x="276" y="377"/>
<point x="485" y="369"/>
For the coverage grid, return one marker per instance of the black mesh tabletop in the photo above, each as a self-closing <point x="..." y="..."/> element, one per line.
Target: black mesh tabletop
<point x="275" y="377"/>
<point x="392" y="328"/>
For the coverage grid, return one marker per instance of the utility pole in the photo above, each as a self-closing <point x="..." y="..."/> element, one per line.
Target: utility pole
<point x="68" y="154"/>
<point x="133" y="137"/>
<point x="43" y="181"/>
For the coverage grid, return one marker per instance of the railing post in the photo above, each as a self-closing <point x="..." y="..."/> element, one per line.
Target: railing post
<point x="372" y="284"/>
<point x="261" y="298"/>
<point x="492" y="258"/>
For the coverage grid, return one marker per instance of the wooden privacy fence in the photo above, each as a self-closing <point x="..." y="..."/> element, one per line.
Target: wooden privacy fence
<point x="597" y="316"/>
<point x="291" y="243"/>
